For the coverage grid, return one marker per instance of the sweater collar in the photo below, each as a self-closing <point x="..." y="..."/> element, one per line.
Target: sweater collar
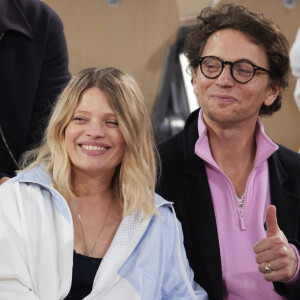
<point x="264" y="146"/>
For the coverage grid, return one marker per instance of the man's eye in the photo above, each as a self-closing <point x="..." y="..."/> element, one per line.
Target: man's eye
<point x="243" y="68"/>
<point x="211" y="67"/>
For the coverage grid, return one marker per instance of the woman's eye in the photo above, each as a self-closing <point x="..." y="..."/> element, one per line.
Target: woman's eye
<point x="112" y="123"/>
<point x="79" y="119"/>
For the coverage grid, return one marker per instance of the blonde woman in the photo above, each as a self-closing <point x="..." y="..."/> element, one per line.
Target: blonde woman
<point x="82" y="219"/>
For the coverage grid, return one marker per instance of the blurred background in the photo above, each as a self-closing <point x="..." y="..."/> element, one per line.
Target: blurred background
<point x="145" y="39"/>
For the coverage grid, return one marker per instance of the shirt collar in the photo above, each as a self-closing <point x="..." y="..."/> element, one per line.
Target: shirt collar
<point x="264" y="146"/>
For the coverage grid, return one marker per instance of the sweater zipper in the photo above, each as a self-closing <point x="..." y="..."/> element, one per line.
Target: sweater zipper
<point x="241" y="207"/>
<point x="241" y="212"/>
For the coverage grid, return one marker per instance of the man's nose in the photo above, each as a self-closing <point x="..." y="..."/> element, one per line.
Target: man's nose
<point x="225" y="77"/>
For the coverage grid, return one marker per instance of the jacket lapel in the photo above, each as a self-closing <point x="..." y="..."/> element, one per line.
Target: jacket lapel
<point x="202" y="217"/>
<point x="11" y="11"/>
<point x="286" y="202"/>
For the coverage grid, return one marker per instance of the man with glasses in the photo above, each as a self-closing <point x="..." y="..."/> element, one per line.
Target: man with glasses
<point x="225" y="176"/>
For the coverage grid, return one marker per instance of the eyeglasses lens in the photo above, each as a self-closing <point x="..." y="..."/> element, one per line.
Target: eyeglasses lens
<point x="212" y="67"/>
<point x="242" y="71"/>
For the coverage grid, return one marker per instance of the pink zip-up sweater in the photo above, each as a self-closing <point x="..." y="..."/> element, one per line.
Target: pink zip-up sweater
<point x="241" y="226"/>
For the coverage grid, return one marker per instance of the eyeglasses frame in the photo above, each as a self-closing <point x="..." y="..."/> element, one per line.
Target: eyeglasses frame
<point x="225" y="62"/>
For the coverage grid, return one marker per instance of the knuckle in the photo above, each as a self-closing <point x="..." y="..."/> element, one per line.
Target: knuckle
<point x="284" y="263"/>
<point x="277" y="240"/>
<point x="283" y="251"/>
<point x="267" y="277"/>
<point x="285" y="273"/>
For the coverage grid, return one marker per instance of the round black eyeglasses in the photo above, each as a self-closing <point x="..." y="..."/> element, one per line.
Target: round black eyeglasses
<point x="241" y="71"/>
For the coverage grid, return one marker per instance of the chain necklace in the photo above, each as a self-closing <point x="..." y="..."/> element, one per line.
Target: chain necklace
<point x="99" y="234"/>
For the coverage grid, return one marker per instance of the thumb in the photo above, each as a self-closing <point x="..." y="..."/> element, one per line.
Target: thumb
<point x="271" y="221"/>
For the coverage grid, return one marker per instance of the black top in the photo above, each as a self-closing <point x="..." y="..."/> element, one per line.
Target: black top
<point x="84" y="272"/>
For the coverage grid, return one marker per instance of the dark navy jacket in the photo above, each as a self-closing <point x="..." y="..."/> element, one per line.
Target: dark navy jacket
<point x="33" y="71"/>
<point x="184" y="182"/>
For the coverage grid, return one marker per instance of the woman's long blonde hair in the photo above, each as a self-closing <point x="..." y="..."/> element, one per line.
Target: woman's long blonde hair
<point x="133" y="183"/>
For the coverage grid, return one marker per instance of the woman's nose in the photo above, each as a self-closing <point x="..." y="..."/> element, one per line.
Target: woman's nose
<point x="95" y="130"/>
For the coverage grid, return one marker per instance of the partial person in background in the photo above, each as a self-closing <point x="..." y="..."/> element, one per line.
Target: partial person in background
<point x="82" y="221"/>
<point x="295" y="65"/>
<point x="34" y="69"/>
<point x="223" y="172"/>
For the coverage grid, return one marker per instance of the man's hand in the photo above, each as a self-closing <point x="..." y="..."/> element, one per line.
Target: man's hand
<point x="3" y="179"/>
<point x="275" y="257"/>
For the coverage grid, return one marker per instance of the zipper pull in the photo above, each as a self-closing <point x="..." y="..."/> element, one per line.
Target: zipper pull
<point x="242" y="218"/>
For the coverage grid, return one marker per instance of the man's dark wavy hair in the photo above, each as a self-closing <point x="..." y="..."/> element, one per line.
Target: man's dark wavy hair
<point x="261" y="31"/>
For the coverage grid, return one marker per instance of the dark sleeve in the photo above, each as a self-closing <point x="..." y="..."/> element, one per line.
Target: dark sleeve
<point x="285" y="165"/>
<point x="282" y="289"/>
<point x="4" y="175"/>
<point x="53" y="78"/>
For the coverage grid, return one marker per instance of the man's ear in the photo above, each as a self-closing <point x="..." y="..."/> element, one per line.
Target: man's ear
<point x="195" y="86"/>
<point x="272" y="93"/>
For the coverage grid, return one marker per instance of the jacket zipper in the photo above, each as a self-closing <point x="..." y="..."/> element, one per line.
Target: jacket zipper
<point x="7" y="148"/>
<point x="2" y="134"/>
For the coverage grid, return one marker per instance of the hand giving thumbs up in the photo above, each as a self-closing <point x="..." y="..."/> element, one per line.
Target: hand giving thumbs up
<point x="275" y="257"/>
